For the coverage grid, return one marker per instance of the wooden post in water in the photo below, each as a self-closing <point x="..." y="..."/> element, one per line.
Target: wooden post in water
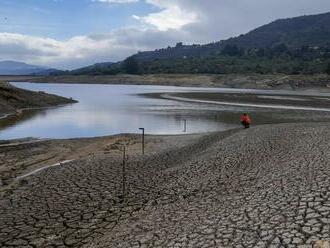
<point x="184" y="125"/>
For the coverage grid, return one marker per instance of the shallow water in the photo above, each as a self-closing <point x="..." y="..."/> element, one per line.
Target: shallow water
<point x="112" y="109"/>
<point x="105" y="110"/>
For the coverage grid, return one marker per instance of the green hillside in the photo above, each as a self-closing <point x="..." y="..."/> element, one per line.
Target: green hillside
<point x="313" y="30"/>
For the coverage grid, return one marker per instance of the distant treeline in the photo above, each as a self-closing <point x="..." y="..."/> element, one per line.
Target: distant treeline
<point x="230" y="59"/>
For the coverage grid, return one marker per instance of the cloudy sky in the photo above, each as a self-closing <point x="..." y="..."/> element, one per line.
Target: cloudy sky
<point x="68" y="34"/>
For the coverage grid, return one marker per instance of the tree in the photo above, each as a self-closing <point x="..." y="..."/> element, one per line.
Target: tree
<point x="327" y="71"/>
<point x="232" y="50"/>
<point x="280" y="50"/>
<point x="258" y="69"/>
<point x="179" y="45"/>
<point x="260" y="52"/>
<point x="131" y="65"/>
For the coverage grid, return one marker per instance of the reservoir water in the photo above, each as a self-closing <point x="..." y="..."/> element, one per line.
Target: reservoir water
<point x="113" y="109"/>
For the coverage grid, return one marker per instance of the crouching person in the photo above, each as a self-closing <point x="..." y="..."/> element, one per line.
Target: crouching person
<point x="245" y="120"/>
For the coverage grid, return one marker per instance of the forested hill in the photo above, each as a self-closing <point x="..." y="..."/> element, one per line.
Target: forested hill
<point x="312" y="30"/>
<point x="100" y="67"/>
<point x="180" y="51"/>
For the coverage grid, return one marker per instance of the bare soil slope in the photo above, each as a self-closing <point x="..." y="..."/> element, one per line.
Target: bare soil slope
<point x="13" y="99"/>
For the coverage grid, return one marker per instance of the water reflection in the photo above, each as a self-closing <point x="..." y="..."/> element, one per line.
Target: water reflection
<point x="13" y="120"/>
<point x="105" y="110"/>
<point x="112" y="109"/>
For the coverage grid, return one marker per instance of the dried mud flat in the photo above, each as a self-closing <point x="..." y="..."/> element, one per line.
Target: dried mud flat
<point x="26" y="156"/>
<point x="267" y="186"/>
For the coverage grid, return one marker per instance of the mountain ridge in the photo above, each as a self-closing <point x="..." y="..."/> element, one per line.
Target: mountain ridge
<point x="11" y="67"/>
<point x="292" y="45"/>
<point x="307" y="30"/>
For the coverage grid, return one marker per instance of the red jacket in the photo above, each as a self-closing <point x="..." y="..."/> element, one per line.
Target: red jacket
<point x="246" y="119"/>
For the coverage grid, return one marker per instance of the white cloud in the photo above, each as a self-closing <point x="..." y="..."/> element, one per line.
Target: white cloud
<point x="169" y="15"/>
<point x="78" y="50"/>
<point x="83" y="50"/>
<point x="169" y="18"/>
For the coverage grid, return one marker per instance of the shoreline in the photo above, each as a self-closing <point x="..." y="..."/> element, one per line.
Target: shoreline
<point x="19" y="111"/>
<point x="319" y="82"/>
<point x="241" y="104"/>
<point x="4" y="116"/>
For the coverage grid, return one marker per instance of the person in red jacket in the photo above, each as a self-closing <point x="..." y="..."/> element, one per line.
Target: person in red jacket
<point x="246" y="120"/>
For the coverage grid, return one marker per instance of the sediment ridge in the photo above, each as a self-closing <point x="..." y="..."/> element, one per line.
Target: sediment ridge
<point x="13" y="100"/>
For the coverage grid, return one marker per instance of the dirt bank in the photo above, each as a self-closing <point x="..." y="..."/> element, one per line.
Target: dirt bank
<point x="257" y="81"/>
<point x="13" y="100"/>
<point x="298" y="101"/>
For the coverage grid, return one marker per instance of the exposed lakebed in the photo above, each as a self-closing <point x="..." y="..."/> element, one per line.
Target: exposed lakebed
<point x="112" y="109"/>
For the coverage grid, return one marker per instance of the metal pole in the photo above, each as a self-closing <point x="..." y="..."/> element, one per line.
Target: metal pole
<point x="142" y="140"/>
<point x="184" y="125"/>
<point x="124" y="173"/>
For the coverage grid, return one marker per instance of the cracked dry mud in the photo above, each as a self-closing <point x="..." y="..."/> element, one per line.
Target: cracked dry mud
<point x="268" y="186"/>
